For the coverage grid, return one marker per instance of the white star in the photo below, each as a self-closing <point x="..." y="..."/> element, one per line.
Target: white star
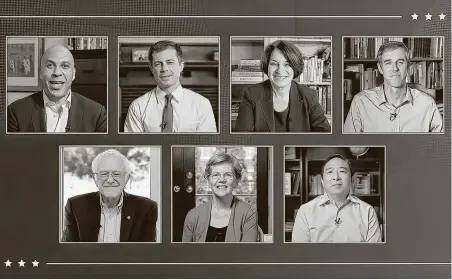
<point x="414" y="16"/>
<point x="35" y="263"/>
<point x="8" y="263"/>
<point x="442" y="16"/>
<point x="428" y="16"/>
<point x="21" y="263"/>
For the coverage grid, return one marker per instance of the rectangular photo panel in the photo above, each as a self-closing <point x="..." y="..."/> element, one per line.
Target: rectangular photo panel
<point x="56" y="84"/>
<point x="281" y="84"/>
<point x="222" y="194"/>
<point x="169" y="84"/>
<point x="393" y="84"/>
<point x="110" y="194"/>
<point x="334" y="194"/>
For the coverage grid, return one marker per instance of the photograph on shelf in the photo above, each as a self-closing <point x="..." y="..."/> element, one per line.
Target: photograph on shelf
<point x="222" y="194"/>
<point x="110" y="194"/>
<point x="281" y="85"/>
<point x="393" y="84"/>
<point x="56" y="85"/>
<point x="140" y="55"/>
<point x="334" y="194"/>
<point x="169" y="85"/>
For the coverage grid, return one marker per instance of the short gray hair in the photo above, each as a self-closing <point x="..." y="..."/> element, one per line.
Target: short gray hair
<point x="390" y="46"/>
<point x="125" y="162"/>
<point x="224" y="158"/>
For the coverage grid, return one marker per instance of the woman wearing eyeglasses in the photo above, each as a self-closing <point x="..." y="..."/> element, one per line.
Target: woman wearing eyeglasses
<point x="224" y="218"/>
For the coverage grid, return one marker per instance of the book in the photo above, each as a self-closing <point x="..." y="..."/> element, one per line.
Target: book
<point x="242" y="73"/>
<point x="287" y="183"/>
<point x="289" y="153"/>
<point x="362" y="183"/>
<point x="247" y="79"/>
<point x="250" y="62"/>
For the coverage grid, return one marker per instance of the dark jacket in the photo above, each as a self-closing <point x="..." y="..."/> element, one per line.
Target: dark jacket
<point x="82" y="219"/>
<point x="256" y="113"/>
<point x="28" y="115"/>
<point x="242" y="225"/>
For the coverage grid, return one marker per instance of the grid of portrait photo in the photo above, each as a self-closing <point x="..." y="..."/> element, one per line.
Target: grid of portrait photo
<point x="224" y="192"/>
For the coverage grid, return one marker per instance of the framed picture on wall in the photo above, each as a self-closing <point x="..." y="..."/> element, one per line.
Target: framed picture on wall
<point x="23" y="58"/>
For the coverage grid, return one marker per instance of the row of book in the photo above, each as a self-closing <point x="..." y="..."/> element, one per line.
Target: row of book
<point x="324" y="95"/>
<point x="87" y="43"/>
<point x="368" y="47"/>
<point x="292" y="183"/>
<point x="313" y="70"/>
<point x="428" y="74"/>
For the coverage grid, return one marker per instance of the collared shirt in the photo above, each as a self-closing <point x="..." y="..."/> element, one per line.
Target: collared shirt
<point x="192" y="112"/>
<point x="110" y="222"/>
<point x="371" y="112"/>
<point x="56" y="119"/>
<point x="320" y="220"/>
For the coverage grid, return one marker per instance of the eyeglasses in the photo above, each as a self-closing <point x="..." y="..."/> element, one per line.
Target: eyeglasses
<point x="227" y="176"/>
<point x="105" y="174"/>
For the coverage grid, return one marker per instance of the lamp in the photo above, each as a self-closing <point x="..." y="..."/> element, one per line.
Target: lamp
<point x="358" y="151"/>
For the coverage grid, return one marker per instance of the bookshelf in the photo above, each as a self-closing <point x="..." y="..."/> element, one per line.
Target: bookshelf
<point x="246" y="54"/>
<point x="369" y="179"/>
<point x="361" y="70"/>
<point x="90" y="57"/>
<point x="91" y="76"/>
<point x="200" y="74"/>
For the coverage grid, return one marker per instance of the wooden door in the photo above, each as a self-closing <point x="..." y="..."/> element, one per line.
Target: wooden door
<point x="183" y="188"/>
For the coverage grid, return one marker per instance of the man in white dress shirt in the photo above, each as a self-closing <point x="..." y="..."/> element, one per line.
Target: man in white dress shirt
<point x="336" y="216"/>
<point x="169" y="107"/>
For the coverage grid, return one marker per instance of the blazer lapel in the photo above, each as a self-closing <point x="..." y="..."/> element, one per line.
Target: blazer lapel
<point x="93" y="212"/>
<point x="204" y="222"/>
<point x="127" y="213"/>
<point x="266" y="107"/>
<point x="295" y="117"/>
<point x="231" y="233"/>
<point x="38" y="116"/>
<point x="75" y="113"/>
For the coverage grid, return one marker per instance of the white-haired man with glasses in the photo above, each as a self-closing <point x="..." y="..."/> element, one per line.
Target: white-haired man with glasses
<point x="110" y="215"/>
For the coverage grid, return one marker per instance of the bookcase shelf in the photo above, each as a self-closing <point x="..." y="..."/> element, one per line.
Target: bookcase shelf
<point x="251" y="49"/>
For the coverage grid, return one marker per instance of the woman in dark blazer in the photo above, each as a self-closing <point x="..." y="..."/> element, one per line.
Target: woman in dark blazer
<point x="279" y="104"/>
<point x="224" y="218"/>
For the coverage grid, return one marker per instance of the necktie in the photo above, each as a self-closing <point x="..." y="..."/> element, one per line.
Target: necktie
<point x="167" y="118"/>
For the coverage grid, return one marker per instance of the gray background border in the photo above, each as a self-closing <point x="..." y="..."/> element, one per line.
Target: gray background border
<point x="418" y="166"/>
